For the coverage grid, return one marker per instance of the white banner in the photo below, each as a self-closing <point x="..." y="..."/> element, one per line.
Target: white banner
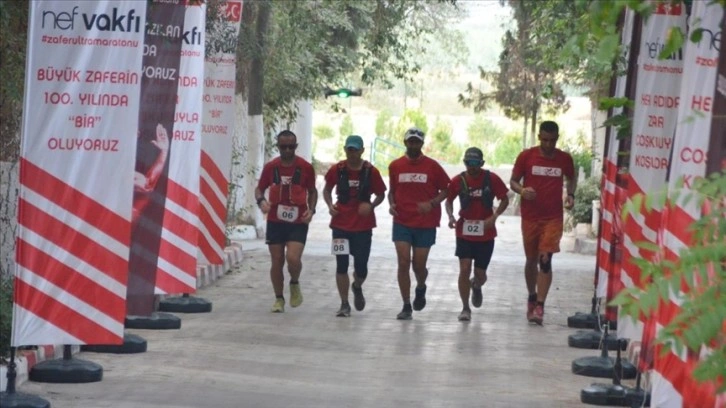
<point x="672" y="382"/>
<point x="217" y="130"/>
<point x="76" y="173"/>
<point x="177" y="263"/>
<point x="654" y="122"/>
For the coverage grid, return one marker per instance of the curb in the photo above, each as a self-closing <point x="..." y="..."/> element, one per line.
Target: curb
<point x="25" y="360"/>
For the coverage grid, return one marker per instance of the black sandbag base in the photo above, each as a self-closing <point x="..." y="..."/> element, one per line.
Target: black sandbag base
<point x="156" y="321"/>
<point x="588" y="321"/>
<point x="132" y="344"/>
<point x="66" y="371"/>
<point x="22" y="400"/>
<point x="592" y="340"/>
<point x="602" y="367"/>
<point x="614" y="395"/>
<point x="185" y="304"/>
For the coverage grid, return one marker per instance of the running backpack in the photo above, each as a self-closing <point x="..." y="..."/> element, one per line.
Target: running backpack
<point x="342" y="189"/>
<point x="487" y="197"/>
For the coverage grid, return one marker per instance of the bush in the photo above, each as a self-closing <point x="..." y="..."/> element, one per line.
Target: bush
<point x="586" y="193"/>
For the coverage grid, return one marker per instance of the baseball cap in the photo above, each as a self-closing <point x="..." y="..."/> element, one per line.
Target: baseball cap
<point x="473" y="156"/>
<point x="354" y="141"/>
<point x="414" y="132"/>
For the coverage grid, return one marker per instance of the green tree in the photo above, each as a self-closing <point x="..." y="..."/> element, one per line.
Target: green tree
<point x="321" y="44"/>
<point x="483" y="133"/>
<point x="505" y="149"/>
<point x="346" y="129"/>
<point x="384" y="124"/>
<point x="439" y="144"/>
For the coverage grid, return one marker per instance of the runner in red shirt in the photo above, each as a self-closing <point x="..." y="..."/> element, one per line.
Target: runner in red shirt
<point x="418" y="186"/>
<point x="476" y="227"/>
<point x="353" y="218"/>
<point x="538" y="176"/>
<point x="290" y="205"/>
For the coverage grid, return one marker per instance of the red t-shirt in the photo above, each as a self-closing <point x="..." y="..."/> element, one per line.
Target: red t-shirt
<point x="546" y="176"/>
<point x="288" y="201"/>
<point x="413" y="181"/>
<point x="348" y="218"/>
<point x="476" y="212"/>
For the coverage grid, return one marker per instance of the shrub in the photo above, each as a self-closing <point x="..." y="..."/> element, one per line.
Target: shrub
<point x="586" y="193"/>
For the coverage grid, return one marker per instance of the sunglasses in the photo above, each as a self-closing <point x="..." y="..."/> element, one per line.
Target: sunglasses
<point x="416" y="132"/>
<point x="287" y="146"/>
<point x="473" y="163"/>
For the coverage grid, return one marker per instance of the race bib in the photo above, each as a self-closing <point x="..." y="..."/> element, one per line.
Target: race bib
<point x="287" y="213"/>
<point x="473" y="228"/>
<point x="340" y="246"/>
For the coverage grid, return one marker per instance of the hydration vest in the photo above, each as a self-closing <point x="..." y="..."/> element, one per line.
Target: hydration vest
<point x="297" y="194"/>
<point x="487" y="196"/>
<point x="364" y="183"/>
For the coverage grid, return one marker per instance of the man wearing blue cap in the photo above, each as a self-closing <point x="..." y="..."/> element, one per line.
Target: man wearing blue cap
<point x="353" y="218"/>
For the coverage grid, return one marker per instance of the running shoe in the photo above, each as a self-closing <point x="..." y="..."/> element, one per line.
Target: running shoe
<point x="419" y="302"/>
<point x="278" y="306"/>
<point x="465" y="315"/>
<point x="358" y="299"/>
<point x="296" y="297"/>
<point x="538" y="315"/>
<point x="530" y="310"/>
<point x="476" y="296"/>
<point x="344" y="310"/>
<point x="406" y="313"/>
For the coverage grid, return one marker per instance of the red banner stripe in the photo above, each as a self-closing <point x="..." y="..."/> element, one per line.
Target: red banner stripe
<point x="180" y="227"/>
<point x="211" y="254"/>
<point x="170" y="284"/>
<point x="62" y="316"/>
<point x="75" y="202"/>
<point x="680" y="374"/>
<point x="217" y="206"/>
<point x="679" y="224"/>
<point x="182" y="197"/>
<point x="175" y="256"/>
<point x="71" y="281"/>
<point x="73" y="241"/>
<point x="215" y="173"/>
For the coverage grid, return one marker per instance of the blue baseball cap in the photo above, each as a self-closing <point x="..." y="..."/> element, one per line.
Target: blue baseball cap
<point x="354" y="141"/>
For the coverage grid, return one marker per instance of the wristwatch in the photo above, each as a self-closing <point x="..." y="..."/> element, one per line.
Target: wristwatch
<point x="259" y="200"/>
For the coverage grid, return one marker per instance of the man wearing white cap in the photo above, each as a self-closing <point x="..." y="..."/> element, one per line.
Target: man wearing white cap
<point x="418" y="186"/>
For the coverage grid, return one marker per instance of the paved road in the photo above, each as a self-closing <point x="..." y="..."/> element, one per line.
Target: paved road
<point x="240" y="355"/>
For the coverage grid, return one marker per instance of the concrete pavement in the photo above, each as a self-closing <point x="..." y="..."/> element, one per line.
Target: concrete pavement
<point x="240" y="355"/>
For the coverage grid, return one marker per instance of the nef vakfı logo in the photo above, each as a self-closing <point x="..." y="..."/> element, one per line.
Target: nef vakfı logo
<point x="116" y="21"/>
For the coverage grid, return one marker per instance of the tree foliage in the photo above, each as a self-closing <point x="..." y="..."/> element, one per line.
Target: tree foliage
<point x="13" y="39"/>
<point x="312" y="45"/>
<point x="529" y="80"/>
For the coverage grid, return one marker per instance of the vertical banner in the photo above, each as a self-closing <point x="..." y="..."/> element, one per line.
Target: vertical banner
<point x="609" y="216"/>
<point x="160" y="76"/>
<point x="654" y="122"/>
<point x="177" y="265"/>
<point x="77" y="155"/>
<point x="217" y="131"/>
<point x="673" y="384"/>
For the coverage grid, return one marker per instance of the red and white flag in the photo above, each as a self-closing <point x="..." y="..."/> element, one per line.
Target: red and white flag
<point x="177" y="263"/>
<point x="76" y="171"/>
<point x="654" y="122"/>
<point x="217" y="131"/>
<point x="672" y="381"/>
